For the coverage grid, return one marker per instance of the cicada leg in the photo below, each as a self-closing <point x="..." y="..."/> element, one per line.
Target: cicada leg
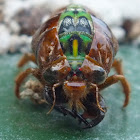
<point x="117" y="65"/>
<point x="26" y="58"/>
<point x="114" y="79"/>
<point x="92" y="111"/>
<point x="62" y="109"/>
<point x="54" y="96"/>
<point x="20" y="78"/>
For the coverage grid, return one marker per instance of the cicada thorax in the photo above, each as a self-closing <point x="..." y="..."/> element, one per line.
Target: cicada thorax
<point x="75" y="30"/>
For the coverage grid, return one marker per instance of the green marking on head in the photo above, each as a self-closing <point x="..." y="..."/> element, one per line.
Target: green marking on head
<point x="75" y="29"/>
<point x="76" y="12"/>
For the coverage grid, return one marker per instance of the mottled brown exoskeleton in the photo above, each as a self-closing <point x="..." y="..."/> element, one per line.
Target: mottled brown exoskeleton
<point x="74" y="51"/>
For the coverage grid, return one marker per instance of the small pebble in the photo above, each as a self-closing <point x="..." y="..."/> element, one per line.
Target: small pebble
<point x="20" y="44"/>
<point x="4" y="39"/>
<point x="119" y="33"/>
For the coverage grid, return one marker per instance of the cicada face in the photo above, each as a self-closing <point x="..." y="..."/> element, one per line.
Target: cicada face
<point x="76" y="33"/>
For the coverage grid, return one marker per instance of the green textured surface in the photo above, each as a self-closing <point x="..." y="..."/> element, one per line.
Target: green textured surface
<point x="81" y="12"/>
<point x="22" y="120"/>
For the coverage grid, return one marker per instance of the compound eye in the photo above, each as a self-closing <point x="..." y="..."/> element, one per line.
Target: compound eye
<point x="57" y="72"/>
<point x="99" y="75"/>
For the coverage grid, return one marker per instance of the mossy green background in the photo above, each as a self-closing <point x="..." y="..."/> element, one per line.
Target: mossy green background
<point x="23" y="120"/>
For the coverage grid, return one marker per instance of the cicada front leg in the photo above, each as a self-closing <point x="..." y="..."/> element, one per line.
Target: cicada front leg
<point x="114" y="79"/>
<point x="20" y="78"/>
<point x="26" y="58"/>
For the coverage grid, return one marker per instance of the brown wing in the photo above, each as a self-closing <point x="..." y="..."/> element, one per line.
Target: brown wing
<point x="45" y="43"/>
<point x="104" y="45"/>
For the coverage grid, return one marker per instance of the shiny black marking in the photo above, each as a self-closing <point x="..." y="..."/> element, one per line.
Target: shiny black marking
<point x="75" y="11"/>
<point x="83" y="25"/>
<point x="87" y="50"/>
<point x="64" y="49"/>
<point x="68" y="25"/>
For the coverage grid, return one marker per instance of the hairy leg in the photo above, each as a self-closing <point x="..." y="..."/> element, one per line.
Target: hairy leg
<point x="20" y="78"/>
<point x="114" y="79"/>
<point x="117" y="65"/>
<point x="54" y="96"/>
<point x="26" y="58"/>
<point x="62" y="109"/>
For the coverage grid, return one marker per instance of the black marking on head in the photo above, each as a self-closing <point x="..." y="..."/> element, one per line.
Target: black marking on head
<point x="83" y="25"/>
<point x="67" y="25"/>
<point x="75" y="37"/>
<point x="75" y="11"/>
<point x="76" y="72"/>
<point x="87" y="50"/>
<point x="63" y="49"/>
